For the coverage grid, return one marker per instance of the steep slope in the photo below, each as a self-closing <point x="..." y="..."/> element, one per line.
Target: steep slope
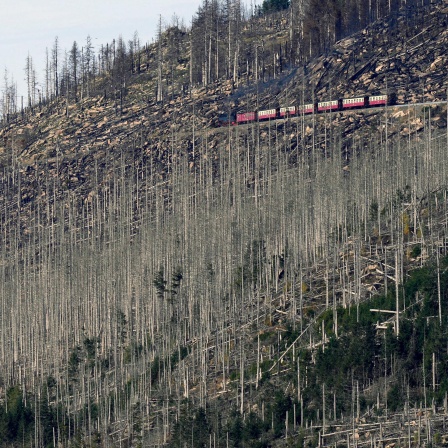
<point x="154" y="267"/>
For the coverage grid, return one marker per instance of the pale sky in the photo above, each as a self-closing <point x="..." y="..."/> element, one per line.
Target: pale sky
<point x="30" y="26"/>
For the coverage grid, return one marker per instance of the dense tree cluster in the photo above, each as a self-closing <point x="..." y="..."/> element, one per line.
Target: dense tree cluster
<point x="342" y="371"/>
<point x="273" y="5"/>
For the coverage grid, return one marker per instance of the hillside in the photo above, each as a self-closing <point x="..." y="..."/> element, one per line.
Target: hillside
<point x="130" y="121"/>
<point x="165" y="281"/>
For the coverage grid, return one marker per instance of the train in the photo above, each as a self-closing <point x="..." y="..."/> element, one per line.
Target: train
<point x="337" y="105"/>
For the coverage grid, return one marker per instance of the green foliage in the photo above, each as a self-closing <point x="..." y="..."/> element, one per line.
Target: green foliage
<point x="291" y="334"/>
<point x="423" y="282"/>
<point x="402" y="196"/>
<point x="416" y="251"/>
<point x="155" y="369"/>
<point x="133" y="351"/>
<point x="282" y="403"/>
<point x="266" y="337"/>
<point x="50" y="389"/>
<point x="254" y="427"/>
<point x="373" y="211"/>
<point x="178" y="354"/>
<point x="265" y="376"/>
<point x="48" y="420"/>
<point x="273" y="5"/>
<point x="234" y="374"/>
<point x="360" y="353"/>
<point x="252" y="370"/>
<point x="201" y="428"/>
<point x="160" y="283"/>
<point x="247" y="432"/>
<point x="394" y="398"/>
<point x="121" y="326"/>
<point x="90" y="345"/>
<point x="73" y="363"/>
<point x="176" y="278"/>
<point x="300" y="439"/>
<point x="16" y="419"/>
<point x="192" y="430"/>
<point x="236" y="429"/>
<point x="137" y="418"/>
<point x="358" y="356"/>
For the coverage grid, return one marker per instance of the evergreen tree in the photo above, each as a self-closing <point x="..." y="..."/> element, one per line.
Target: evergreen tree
<point x="274" y="5"/>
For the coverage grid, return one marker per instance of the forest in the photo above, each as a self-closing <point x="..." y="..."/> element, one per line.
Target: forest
<point x="226" y="40"/>
<point x="164" y="282"/>
<point x="235" y="280"/>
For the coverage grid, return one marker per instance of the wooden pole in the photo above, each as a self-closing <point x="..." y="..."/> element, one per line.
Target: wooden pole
<point x="323" y="409"/>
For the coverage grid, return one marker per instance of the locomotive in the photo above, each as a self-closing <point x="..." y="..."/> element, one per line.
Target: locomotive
<point x="342" y="104"/>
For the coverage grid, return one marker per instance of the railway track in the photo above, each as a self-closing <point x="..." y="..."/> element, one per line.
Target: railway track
<point x="113" y="131"/>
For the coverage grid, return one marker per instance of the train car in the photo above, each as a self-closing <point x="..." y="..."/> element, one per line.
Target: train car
<point x="310" y="108"/>
<point x="227" y="119"/>
<point x="269" y="114"/>
<point x="245" y="117"/>
<point x="353" y="103"/>
<point x="306" y="109"/>
<point x="378" y="100"/>
<point x="324" y="106"/>
<point x="288" y="111"/>
<point x="392" y="99"/>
